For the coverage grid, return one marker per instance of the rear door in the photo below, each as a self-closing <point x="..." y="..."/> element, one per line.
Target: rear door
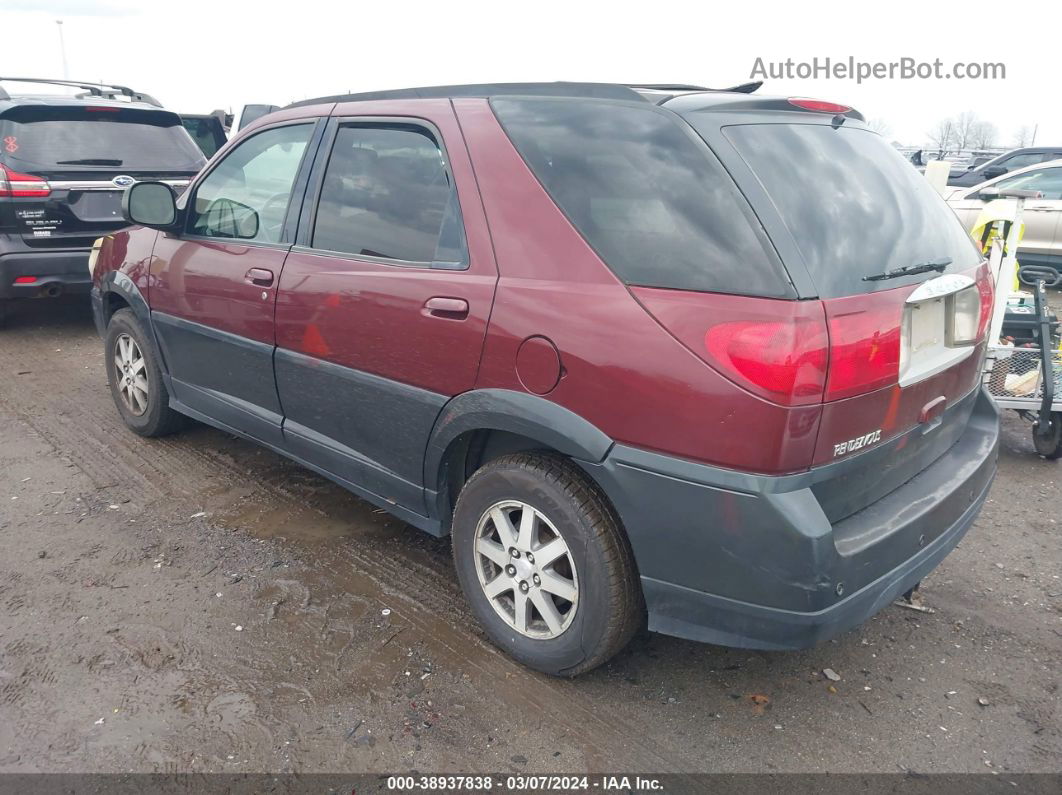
<point x="78" y="159"/>
<point x="213" y="286"/>
<point x="384" y="301"/>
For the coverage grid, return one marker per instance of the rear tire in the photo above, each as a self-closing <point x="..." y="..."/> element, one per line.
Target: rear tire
<point x="135" y="378"/>
<point x="5" y="308"/>
<point x="581" y="598"/>
<point x="1050" y="446"/>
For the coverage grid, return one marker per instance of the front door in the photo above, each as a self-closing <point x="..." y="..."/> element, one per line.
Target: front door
<point x="214" y="287"/>
<point x="383" y="304"/>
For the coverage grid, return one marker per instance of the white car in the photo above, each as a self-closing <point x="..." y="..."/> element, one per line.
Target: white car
<point x="1042" y="243"/>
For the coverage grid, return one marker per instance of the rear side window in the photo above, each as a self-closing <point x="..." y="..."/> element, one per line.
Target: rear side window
<point x="388" y="194"/>
<point x="854" y="206"/>
<point x="76" y="139"/>
<point x="649" y="197"/>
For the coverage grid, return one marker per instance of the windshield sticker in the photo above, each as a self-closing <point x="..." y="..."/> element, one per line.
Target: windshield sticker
<point x="11" y="143"/>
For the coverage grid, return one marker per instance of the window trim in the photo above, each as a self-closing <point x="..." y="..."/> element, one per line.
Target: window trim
<point x="312" y="198"/>
<point x="297" y="187"/>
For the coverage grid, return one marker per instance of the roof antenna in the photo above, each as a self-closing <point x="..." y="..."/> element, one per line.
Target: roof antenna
<point x="838" y="120"/>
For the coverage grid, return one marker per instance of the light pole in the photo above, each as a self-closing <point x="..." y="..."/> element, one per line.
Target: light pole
<point x="62" y="49"/>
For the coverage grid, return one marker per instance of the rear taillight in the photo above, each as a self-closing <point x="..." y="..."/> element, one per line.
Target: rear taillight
<point x="783" y="360"/>
<point x="15" y="184"/>
<point x="963" y="315"/>
<point x="969" y="310"/>
<point x="864" y="343"/>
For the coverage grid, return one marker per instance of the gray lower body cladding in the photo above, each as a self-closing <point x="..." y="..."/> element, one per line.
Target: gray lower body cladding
<point x="755" y="561"/>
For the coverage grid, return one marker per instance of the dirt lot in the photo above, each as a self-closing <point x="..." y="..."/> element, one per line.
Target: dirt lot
<point x="199" y="604"/>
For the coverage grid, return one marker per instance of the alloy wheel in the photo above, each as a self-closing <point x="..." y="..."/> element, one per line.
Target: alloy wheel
<point x="526" y="570"/>
<point x="130" y="370"/>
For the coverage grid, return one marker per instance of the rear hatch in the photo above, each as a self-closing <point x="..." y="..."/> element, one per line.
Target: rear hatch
<point x="904" y="292"/>
<point x="63" y="167"/>
<point x="820" y="320"/>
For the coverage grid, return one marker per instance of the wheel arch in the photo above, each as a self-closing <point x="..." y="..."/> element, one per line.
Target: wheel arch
<point x="118" y="291"/>
<point x="478" y="426"/>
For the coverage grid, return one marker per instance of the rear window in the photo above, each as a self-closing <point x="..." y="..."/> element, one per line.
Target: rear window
<point x="853" y="204"/>
<point x="50" y="138"/>
<point x="645" y="193"/>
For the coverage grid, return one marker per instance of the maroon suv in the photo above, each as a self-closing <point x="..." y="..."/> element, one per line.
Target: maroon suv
<point x="696" y="354"/>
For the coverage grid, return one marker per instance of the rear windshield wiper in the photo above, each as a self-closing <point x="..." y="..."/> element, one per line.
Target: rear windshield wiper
<point x="910" y="270"/>
<point x="89" y="161"/>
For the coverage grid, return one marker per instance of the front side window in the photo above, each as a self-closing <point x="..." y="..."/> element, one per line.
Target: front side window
<point x="388" y="194"/>
<point x="1046" y="180"/>
<point x="246" y="197"/>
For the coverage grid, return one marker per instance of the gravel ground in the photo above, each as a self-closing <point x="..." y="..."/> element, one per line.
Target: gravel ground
<point x="199" y="604"/>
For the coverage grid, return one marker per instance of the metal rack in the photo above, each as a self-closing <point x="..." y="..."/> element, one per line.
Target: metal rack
<point x="101" y="90"/>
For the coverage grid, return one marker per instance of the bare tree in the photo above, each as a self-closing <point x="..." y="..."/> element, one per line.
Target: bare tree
<point x="880" y="126"/>
<point x="943" y="136"/>
<point x="966" y="124"/>
<point x="983" y="135"/>
<point x="1023" y="137"/>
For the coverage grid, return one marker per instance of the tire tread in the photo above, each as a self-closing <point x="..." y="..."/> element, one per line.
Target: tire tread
<point x="624" y="593"/>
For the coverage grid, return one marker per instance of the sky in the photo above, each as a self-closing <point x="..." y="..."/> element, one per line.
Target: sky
<point x="198" y="55"/>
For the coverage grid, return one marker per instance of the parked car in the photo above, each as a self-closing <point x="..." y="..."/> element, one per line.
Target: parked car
<point x="1004" y="164"/>
<point x="1042" y="242"/>
<point x="208" y="130"/>
<point x="710" y="357"/>
<point x="64" y="162"/>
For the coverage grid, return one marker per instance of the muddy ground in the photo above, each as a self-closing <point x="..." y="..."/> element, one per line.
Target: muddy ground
<point x="199" y="604"/>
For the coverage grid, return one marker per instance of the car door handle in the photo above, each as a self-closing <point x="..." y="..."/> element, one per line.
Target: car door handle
<point x="452" y="308"/>
<point x="259" y="277"/>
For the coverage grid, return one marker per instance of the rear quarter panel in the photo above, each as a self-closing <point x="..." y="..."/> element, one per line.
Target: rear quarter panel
<point x="621" y="370"/>
<point x="128" y="252"/>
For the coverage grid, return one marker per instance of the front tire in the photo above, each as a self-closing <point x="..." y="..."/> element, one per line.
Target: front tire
<point x="135" y="378"/>
<point x="545" y="564"/>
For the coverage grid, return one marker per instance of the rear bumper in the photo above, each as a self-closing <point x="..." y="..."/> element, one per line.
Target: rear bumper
<point x="54" y="273"/>
<point x="753" y="561"/>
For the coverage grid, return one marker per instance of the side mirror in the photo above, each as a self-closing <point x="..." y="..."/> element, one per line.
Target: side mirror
<point x="151" y="204"/>
<point x="988" y="194"/>
<point x="995" y="171"/>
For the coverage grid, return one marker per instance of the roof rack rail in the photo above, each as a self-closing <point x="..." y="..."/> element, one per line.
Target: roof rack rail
<point x="102" y="90"/>
<point x="557" y="89"/>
